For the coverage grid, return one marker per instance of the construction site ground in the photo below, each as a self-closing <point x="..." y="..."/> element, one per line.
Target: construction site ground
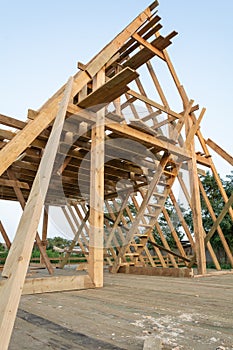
<point x="130" y="312"/>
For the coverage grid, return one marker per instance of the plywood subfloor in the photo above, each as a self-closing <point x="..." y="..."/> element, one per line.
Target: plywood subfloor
<point x="182" y="313"/>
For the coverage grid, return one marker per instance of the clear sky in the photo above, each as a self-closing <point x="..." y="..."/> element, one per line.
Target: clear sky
<point x="41" y="42"/>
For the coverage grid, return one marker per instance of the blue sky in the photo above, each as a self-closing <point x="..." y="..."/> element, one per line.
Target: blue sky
<point x="41" y="42"/>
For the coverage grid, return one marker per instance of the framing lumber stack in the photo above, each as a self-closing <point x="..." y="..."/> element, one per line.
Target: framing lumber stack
<point x="109" y="154"/>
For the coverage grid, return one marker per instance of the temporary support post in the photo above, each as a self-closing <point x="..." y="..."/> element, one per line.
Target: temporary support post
<point x="18" y="259"/>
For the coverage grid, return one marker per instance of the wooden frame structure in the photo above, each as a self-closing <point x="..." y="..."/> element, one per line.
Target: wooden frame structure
<point x="109" y="156"/>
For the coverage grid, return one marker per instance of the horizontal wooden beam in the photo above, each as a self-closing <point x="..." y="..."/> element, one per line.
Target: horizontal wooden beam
<point x="14" y="183"/>
<point x="55" y="284"/>
<point x="130" y="133"/>
<point x="12" y="122"/>
<point x="157" y="271"/>
<point x="147" y="140"/>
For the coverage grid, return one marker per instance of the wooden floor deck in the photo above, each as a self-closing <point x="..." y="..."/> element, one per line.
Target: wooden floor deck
<point x="171" y="313"/>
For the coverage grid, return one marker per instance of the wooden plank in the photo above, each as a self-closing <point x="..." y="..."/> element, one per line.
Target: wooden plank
<point x="22" y="202"/>
<point x="220" y="151"/>
<point x="12" y="122"/>
<point x="147" y="140"/>
<point x="215" y="273"/>
<point x="220" y="232"/>
<point x="203" y="161"/>
<point x="194" y="128"/>
<point x="169" y="251"/>
<point x="146" y="54"/>
<point x="54" y="284"/>
<point x="197" y="213"/>
<point x="157" y="271"/>
<point x="146" y="32"/>
<point x="154" y="104"/>
<point x="209" y="247"/>
<point x="225" y="209"/>
<point x="214" y="170"/>
<point x="49" y="110"/>
<point x="5" y="235"/>
<point x="137" y="135"/>
<point x="95" y="267"/>
<point x="181" y="218"/>
<point x="19" y="256"/>
<point x="14" y="183"/>
<point x="98" y="62"/>
<point x="43" y="243"/>
<point x="174" y="233"/>
<point x="141" y="212"/>
<point x="109" y="91"/>
<point x="181" y="122"/>
<point x="148" y="45"/>
<point x="74" y="241"/>
<point x="117" y="221"/>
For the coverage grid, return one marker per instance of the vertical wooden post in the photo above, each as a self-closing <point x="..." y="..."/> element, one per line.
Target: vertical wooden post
<point x="95" y="267"/>
<point x="197" y="214"/>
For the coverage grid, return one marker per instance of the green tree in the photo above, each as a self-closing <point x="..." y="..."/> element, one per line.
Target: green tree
<point x="213" y="193"/>
<point x="58" y="242"/>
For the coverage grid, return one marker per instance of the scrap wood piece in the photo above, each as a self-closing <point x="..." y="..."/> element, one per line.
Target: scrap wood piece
<point x="220" y="151"/>
<point x="19" y="256"/>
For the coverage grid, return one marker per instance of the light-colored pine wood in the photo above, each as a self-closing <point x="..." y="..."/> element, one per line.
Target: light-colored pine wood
<point x="96" y="220"/>
<point x="154" y="104"/>
<point x="5" y="235"/>
<point x="44" y="234"/>
<point x="220" y="232"/>
<point x="197" y="217"/>
<point x="54" y="284"/>
<point x="220" y="151"/>
<point x="74" y="241"/>
<point x="147" y="45"/>
<point x="49" y="110"/>
<point x="153" y="271"/>
<point x="19" y="256"/>
<point x="109" y="91"/>
<point x="14" y="183"/>
<point x="219" y="219"/>
<point x="39" y="243"/>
